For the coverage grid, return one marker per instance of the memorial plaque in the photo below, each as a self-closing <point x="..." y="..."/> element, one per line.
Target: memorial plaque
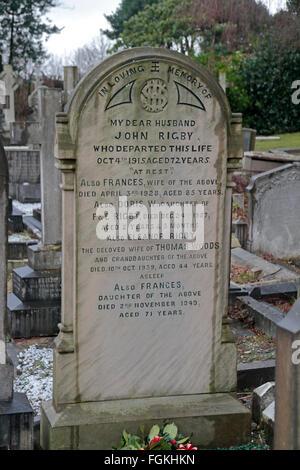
<point x="148" y="133"/>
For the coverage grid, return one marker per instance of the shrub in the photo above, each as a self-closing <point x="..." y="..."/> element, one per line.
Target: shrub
<point x="264" y="80"/>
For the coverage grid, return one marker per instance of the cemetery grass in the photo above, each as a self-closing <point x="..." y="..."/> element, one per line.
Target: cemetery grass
<point x="286" y="141"/>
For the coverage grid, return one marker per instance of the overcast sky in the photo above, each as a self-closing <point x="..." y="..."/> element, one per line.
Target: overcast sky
<point x="82" y="20"/>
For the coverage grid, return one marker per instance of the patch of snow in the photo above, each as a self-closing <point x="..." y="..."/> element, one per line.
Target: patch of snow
<point x="26" y="208"/>
<point x="35" y="375"/>
<point x="19" y="238"/>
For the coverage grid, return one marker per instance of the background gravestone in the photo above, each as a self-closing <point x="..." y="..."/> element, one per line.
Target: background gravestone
<point x="259" y="162"/>
<point x="33" y="308"/>
<point x="5" y="383"/>
<point x="24" y="170"/>
<point x="287" y="390"/>
<point x="49" y="102"/>
<point x="144" y="335"/>
<point x="34" y="305"/>
<point x="249" y="139"/>
<point x="2" y="104"/>
<point x="12" y="83"/>
<point x="274" y="212"/>
<point x="16" y="414"/>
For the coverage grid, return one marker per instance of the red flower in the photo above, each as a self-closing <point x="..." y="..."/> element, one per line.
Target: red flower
<point x="187" y="447"/>
<point x="155" y="440"/>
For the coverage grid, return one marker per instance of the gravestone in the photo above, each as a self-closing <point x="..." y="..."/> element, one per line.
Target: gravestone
<point x="12" y="83"/>
<point x="222" y="80"/>
<point x="71" y="78"/>
<point x="48" y="102"/>
<point x="24" y="167"/>
<point x="24" y="133"/>
<point x="240" y="230"/>
<point x="274" y="212"/>
<point x="3" y="273"/>
<point x="287" y="383"/>
<point x="2" y="105"/>
<point x="144" y="335"/>
<point x="2" y="93"/>
<point x="258" y="162"/>
<point x="33" y="308"/>
<point x="287" y="151"/>
<point x="16" y="414"/>
<point x="249" y="139"/>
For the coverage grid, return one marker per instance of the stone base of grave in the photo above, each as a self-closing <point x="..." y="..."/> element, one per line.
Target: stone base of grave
<point x="33" y="318"/>
<point x="34" y="306"/>
<point x="6" y="380"/>
<point x="216" y="420"/>
<point x="18" y="249"/>
<point x="44" y="258"/>
<point x="30" y="285"/>
<point x="29" y="192"/>
<point x="16" y="423"/>
<point x="15" y="221"/>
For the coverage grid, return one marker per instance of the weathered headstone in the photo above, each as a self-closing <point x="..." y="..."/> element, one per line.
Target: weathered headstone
<point x="222" y="80"/>
<point x="38" y="78"/>
<point x="287" y="151"/>
<point x="258" y="162"/>
<point x="262" y="397"/>
<point x="287" y="389"/>
<point x="12" y="83"/>
<point x="24" y="167"/>
<point x="3" y="272"/>
<point x="16" y="414"/>
<point x="49" y="103"/>
<point x="2" y="106"/>
<point x="34" y="305"/>
<point x="24" y="133"/>
<point x="249" y="139"/>
<point x="144" y="335"/>
<point x="71" y="78"/>
<point x="33" y="308"/>
<point x="2" y="93"/>
<point x="240" y="230"/>
<point x="274" y="212"/>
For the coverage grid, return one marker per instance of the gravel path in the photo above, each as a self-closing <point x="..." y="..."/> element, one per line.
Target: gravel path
<point x="34" y="375"/>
